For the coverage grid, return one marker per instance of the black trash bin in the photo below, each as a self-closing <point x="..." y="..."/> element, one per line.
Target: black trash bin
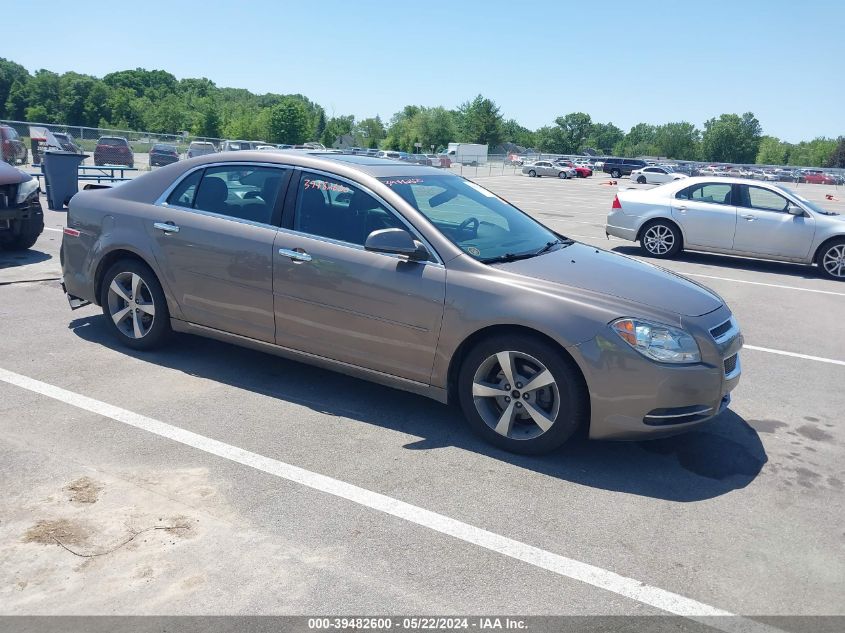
<point x="61" y="176"/>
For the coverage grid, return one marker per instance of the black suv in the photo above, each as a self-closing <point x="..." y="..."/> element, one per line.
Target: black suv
<point x="617" y="167"/>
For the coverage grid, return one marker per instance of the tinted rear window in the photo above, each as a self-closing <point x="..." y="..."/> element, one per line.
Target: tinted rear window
<point x="111" y="141"/>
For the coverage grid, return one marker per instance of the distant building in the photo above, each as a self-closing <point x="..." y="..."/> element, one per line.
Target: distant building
<point x="344" y="142"/>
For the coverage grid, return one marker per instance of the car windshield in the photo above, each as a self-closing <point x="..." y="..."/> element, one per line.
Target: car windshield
<point x="806" y="202"/>
<point x="479" y="222"/>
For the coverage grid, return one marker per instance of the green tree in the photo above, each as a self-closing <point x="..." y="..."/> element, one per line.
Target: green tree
<point x="11" y="74"/>
<point x="815" y="153"/>
<point x="574" y="130"/>
<point x="514" y="133"/>
<point x="641" y="140"/>
<point x="603" y="137"/>
<point x="677" y="140"/>
<point x="16" y="102"/>
<point x="319" y="124"/>
<point x="772" y="151"/>
<point x="480" y="122"/>
<point x="369" y="132"/>
<point x="336" y="127"/>
<point x="731" y="138"/>
<point x="837" y="157"/>
<point x="208" y="122"/>
<point x="289" y="122"/>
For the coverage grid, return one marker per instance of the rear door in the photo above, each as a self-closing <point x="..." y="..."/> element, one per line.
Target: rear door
<point x="214" y="237"/>
<point x="765" y="227"/>
<point x="706" y="214"/>
<point x="335" y="299"/>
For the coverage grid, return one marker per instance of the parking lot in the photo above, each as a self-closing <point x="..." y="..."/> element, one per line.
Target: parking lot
<point x="206" y="478"/>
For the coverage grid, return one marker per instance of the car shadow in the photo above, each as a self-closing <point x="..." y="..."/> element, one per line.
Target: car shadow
<point x="727" y="262"/>
<point x="10" y="259"/>
<point x="723" y="455"/>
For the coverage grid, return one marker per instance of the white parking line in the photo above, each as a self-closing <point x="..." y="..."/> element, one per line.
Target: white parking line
<point x="760" y="283"/>
<point x="50" y="228"/>
<point x="780" y="352"/>
<point x="555" y="563"/>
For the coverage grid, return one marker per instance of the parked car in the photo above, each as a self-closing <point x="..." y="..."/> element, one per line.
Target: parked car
<point x="581" y="171"/>
<point x="547" y="168"/>
<point x="389" y="154"/>
<point x="445" y="160"/>
<point x="818" y="177"/>
<point x="163" y="154"/>
<point x="433" y="160"/>
<point x="67" y="142"/>
<point x="21" y="215"/>
<point x="655" y="175"/>
<point x="235" y="146"/>
<point x="12" y="149"/>
<point x="388" y="274"/>
<point x="618" y="167"/>
<point x="201" y="148"/>
<point x="113" y="150"/>
<point x="731" y="216"/>
<point x="283" y="146"/>
<point x="420" y="159"/>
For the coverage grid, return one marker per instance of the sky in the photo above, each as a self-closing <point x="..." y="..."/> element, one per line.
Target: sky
<point x="652" y="61"/>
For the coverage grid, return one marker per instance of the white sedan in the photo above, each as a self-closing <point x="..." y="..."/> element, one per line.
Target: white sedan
<point x="735" y="216"/>
<point x="655" y="175"/>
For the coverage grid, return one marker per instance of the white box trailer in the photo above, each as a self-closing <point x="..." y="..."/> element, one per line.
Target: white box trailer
<point x="467" y="153"/>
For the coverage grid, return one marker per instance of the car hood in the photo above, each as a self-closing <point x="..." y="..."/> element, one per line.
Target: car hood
<point x="603" y="272"/>
<point x="12" y="175"/>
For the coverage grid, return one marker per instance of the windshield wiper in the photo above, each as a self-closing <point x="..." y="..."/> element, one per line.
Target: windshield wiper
<point x="549" y="245"/>
<point x="507" y="257"/>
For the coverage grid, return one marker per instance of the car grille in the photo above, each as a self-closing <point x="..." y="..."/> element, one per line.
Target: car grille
<point x="717" y="331"/>
<point x="7" y="195"/>
<point x="730" y="364"/>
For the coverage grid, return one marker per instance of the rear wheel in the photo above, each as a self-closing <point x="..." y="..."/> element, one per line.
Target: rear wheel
<point x="521" y="394"/>
<point x="562" y="175"/>
<point x="831" y="260"/>
<point x="134" y="305"/>
<point x="661" y="238"/>
<point x="641" y="180"/>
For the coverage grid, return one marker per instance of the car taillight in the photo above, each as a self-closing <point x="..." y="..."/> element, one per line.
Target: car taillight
<point x="616" y="203"/>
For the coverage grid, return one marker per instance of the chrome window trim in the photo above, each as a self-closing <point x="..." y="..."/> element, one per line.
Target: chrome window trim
<point x="413" y="230"/>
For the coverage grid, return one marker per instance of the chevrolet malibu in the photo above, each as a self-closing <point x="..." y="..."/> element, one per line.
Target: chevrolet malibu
<point x="409" y="277"/>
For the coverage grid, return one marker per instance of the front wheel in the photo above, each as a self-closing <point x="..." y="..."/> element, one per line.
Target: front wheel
<point x="641" y="180"/>
<point x="615" y="173"/>
<point x="532" y="174"/>
<point x="520" y="394"/>
<point x="831" y="261"/>
<point x="562" y="175"/>
<point x="661" y="239"/>
<point x="134" y="305"/>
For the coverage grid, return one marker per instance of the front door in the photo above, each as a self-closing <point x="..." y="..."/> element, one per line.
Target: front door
<point x="706" y="215"/>
<point x="337" y="300"/>
<point x="214" y="239"/>
<point x="765" y="227"/>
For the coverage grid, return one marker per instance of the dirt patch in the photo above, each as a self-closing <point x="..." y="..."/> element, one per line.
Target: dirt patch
<point x="84" y="490"/>
<point x="61" y="530"/>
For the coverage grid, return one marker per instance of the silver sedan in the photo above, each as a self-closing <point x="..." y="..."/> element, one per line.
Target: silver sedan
<point x="733" y="216"/>
<point x="546" y="168"/>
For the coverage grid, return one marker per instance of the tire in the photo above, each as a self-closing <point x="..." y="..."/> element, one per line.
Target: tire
<point x="31" y="228"/>
<point x="831" y="260"/>
<point x="146" y="331"/>
<point x="562" y="175"/>
<point x="661" y="238"/>
<point x="615" y="173"/>
<point x="532" y="173"/>
<point x="561" y="405"/>
<point x="641" y="180"/>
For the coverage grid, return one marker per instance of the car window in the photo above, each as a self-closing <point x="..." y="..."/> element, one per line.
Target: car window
<point x="245" y="192"/>
<point x="183" y="194"/>
<point x="335" y="209"/>
<point x="715" y="192"/>
<point x="762" y="199"/>
<point x="112" y="141"/>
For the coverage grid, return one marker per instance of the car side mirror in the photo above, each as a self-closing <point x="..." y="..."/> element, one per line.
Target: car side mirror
<point x="794" y="209"/>
<point x="396" y="242"/>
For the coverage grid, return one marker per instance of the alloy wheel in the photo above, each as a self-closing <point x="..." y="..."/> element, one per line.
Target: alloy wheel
<point x="516" y="395"/>
<point x="834" y="261"/>
<point x="131" y="305"/>
<point x="658" y="239"/>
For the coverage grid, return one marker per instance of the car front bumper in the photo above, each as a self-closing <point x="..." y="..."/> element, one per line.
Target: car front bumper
<point x="632" y="397"/>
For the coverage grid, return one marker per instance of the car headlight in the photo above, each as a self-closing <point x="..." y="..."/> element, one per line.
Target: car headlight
<point x="659" y="342"/>
<point x="25" y="189"/>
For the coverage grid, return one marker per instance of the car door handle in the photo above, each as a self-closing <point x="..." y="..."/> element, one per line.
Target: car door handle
<point x="750" y="218"/>
<point x="296" y="256"/>
<point x="682" y="208"/>
<point x="167" y="227"/>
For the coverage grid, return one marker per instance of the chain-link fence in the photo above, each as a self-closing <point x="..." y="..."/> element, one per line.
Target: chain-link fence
<point x="23" y="143"/>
